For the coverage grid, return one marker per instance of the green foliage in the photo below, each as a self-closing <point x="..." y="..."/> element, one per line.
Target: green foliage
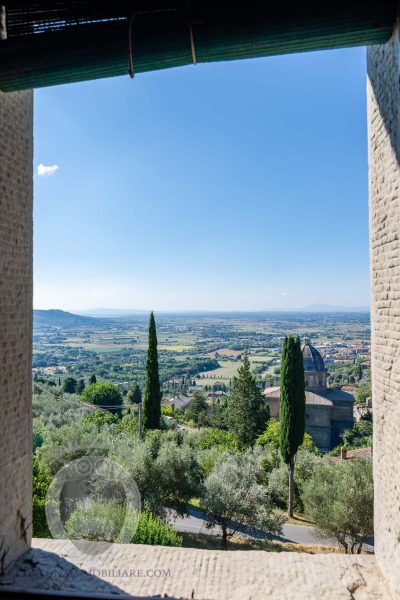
<point x="155" y="531"/>
<point x="178" y="474"/>
<point x="134" y="396"/>
<point x="92" y="379"/>
<point x="40" y="529"/>
<point x="129" y="424"/>
<point x="99" y="419"/>
<point x="69" y="385"/>
<point x="164" y="467"/>
<point x="232" y="496"/>
<point x="292" y="399"/>
<point x="101" y="521"/>
<point x="41" y="480"/>
<point x="300" y="395"/>
<point x="277" y="479"/>
<point x="208" y="459"/>
<point x="51" y="413"/>
<point x="106" y="395"/>
<point x="217" y="438"/>
<point x="197" y="409"/>
<point x="360" y="436"/>
<point x="247" y="412"/>
<point x="271" y="438"/>
<point x="104" y="521"/>
<point x="339" y="499"/>
<point x="80" y="386"/>
<point x="362" y="393"/>
<point x="166" y="410"/>
<point x="152" y="394"/>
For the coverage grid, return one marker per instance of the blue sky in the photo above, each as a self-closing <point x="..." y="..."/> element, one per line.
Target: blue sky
<point x="229" y="186"/>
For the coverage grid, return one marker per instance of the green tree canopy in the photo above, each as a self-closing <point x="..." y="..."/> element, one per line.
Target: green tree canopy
<point x="152" y="394"/>
<point x="292" y="407"/>
<point x="292" y="399"/>
<point x="197" y="409"/>
<point x="69" y="385"/>
<point x="247" y="413"/>
<point x="339" y="500"/>
<point x="106" y="395"/>
<point x="362" y="393"/>
<point x="80" y="386"/>
<point x="271" y="438"/>
<point x="134" y="395"/>
<point x="232" y="496"/>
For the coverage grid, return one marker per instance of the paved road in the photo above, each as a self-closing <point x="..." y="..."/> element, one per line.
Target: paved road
<point x="299" y="534"/>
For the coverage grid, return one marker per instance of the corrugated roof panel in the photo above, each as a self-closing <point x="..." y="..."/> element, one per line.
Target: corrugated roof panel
<point x="61" y="42"/>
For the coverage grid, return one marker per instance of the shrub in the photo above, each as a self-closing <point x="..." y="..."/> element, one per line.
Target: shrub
<point x="41" y="481"/>
<point x="271" y="438"/>
<point x="362" y="393"/>
<point x="101" y="521"/>
<point x="155" y="531"/>
<point x="39" y="520"/>
<point x="217" y="438"/>
<point x="339" y="499"/>
<point x="99" y="419"/>
<point x="167" y="410"/>
<point x="105" y="521"/>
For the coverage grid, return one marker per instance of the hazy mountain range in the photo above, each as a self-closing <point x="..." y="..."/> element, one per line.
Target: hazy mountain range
<point x="63" y="318"/>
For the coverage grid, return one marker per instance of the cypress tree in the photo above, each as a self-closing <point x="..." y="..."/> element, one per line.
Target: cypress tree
<point x="301" y="395"/>
<point x="152" y="394"/>
<point x="247" y="411"/>
<point x="136" y="395"/>
<point x="80" y="386"/>
<point x="292" y="407"/>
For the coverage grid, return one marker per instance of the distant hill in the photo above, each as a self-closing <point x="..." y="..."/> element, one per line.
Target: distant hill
<point x="60" y="318"/>
<point x="112" y="312"/>
<point x="331" y="308"/>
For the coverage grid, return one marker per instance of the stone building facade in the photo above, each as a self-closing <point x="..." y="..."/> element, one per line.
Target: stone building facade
<point x="383" y="92"/>
<point x="329" y="412"/>
<point x="16" y="190"/>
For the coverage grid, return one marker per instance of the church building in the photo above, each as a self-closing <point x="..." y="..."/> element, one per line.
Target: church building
<point x="329" y="412"/>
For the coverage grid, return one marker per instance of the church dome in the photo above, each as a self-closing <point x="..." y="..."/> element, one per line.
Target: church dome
<point x="312" y="359"/>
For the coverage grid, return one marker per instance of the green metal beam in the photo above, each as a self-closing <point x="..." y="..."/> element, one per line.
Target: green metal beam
<point x="63" y="42"/>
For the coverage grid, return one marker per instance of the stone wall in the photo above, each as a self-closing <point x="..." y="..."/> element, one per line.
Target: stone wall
<point x="384" y="182"/>
<point x="16" y="154"/>
<point x="317" y="381"/>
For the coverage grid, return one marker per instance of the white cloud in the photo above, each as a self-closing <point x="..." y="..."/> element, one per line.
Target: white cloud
<point x="44" y="170"/>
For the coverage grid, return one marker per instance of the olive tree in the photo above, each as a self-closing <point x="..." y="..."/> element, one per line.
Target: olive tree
<point x="338" y="498"/>
<point x="233" y="498"/>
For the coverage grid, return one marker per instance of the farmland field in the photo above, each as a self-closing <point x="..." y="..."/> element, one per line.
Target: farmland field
<point x="207" y="348"/>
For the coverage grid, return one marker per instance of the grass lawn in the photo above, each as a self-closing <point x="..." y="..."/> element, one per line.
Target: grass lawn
<point x="226" y="371"/>
<point x="177" y="348"/>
